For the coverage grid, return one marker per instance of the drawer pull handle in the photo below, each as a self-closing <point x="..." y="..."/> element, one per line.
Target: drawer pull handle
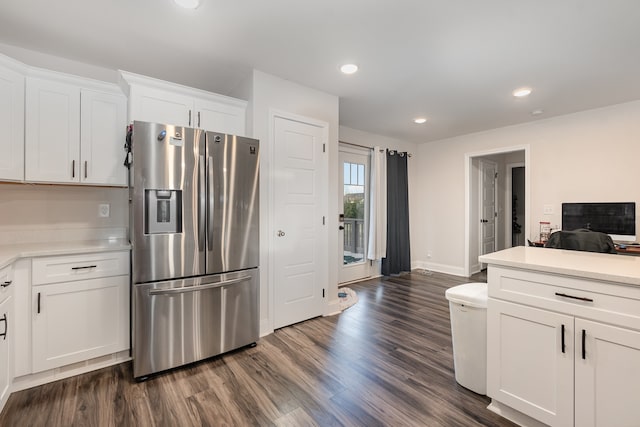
<point x="5" y="284"/>
<point x="562" y="333"/>
<point x="84" y="268"/>
<point x="38" y="302"/>
<point x="584" y="350"/>
<point x="6" y="326"/>
<point x="572" y="297"/>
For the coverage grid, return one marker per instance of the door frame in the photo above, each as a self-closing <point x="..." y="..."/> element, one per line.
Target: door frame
<point x="468" y="206"/>
<point x="270" y="208"/>
<point x="508" y="228"/>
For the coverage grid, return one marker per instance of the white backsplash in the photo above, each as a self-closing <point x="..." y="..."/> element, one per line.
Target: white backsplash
<point x="33" y="213"/>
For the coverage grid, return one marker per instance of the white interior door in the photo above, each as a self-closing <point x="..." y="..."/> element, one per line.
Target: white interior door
<point x="488" y="200"/>
<point x="300" y="238"/>
<point x="353" y="205"/>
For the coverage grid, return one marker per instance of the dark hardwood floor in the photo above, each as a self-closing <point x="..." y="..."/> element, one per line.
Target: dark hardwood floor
<point x="385" y="361"/>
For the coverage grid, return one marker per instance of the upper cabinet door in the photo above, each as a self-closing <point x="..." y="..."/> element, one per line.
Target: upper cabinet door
<point x="159" y="106"/>
<point x="12" y="125"/>
<point x="52" y="142"/>
<point x="219" y="117"/>
<point x="102" y="137"/>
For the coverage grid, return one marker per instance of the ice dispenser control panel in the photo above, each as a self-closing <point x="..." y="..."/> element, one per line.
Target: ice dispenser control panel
<point x="163" y="211"/>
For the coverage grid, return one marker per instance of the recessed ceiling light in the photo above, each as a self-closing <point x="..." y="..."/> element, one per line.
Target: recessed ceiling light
<point x="349" y="68"/>
<point x="188" y="4"/>
<point x="419" y="120"/>
<point x="522" y="92"/>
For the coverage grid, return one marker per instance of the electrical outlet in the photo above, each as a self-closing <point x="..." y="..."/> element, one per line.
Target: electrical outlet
<point x="548" y="209"/>
<point x="103" y="210"/>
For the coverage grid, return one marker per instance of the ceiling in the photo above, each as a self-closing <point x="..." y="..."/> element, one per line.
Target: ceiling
<point x="455" y="62"/>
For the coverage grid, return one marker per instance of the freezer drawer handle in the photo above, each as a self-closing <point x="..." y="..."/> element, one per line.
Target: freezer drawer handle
<point x="572" y="297"/>
<point x="6" y="326"/>
<point x="84" y="268"/>
<point x="5" y="284"/>
<point x="563" y="343"/>
<point x="198" y="288"/>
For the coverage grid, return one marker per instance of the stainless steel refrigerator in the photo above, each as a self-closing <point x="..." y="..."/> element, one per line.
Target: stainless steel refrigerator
<point x="194" y="234"/>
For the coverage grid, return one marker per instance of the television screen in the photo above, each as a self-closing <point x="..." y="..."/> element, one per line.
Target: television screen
<point x="616" y="219"/>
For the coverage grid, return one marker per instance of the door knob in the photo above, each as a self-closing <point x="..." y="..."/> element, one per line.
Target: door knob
<point x="280" y="233"/>
<point x="341" y="227"/>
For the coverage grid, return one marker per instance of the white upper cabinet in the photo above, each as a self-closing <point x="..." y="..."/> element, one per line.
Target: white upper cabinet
<point x="103" y="121"/>
<point x="152" y="100"/>
<point x="11" y="120"/>
<point x="74" y="134"/>
<point x="52" y="144"/>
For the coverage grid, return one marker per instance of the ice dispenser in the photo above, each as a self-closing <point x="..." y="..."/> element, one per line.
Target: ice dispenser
<point x="164" y="211"/>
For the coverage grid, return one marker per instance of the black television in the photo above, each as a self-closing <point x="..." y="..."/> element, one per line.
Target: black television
<point x="616" y="219"/>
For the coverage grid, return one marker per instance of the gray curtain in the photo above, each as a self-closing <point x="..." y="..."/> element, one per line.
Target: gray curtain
<point x="398" y="257"/>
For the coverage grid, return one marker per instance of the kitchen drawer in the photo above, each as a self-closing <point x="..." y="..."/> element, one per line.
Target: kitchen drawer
<point x="6" y="277"/>
<point x="56" y="269"/>
<point x="608" y="302"/>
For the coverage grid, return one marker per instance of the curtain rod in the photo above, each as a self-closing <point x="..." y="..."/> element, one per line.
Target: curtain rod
<point x="368" y="148"/>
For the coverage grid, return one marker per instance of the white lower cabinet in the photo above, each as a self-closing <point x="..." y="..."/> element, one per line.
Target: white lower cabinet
<point x="564" y="352"/>
<point x="5" y="349"/>
<point x="6" y="334"/>
<point x="83" y="318"/>
<point x="608" y="376"/>
<point x="527" y="369"/>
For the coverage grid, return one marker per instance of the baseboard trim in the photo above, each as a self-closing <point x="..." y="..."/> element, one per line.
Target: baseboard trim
<point x="439" y="268"/>
<point x="39" y="378"/>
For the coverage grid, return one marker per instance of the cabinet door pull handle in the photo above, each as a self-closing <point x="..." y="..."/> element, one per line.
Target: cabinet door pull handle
<point x="85" y="169"/>
<point x="5" y="284"/>
<point x="198" y="118"/>
<point x="573" y="297"/>
<point x="73" y="168"/>
<point x="562" y="334"/>
<point x="6" y="326"/>
<point x="584" y="349"/>
<point x="38" y="302"/>
<point x="189" y="117"/>
<point x="84" y="267"/>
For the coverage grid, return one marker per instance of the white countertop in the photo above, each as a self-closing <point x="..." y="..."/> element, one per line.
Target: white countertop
<point x="605" y="267"/>
<point x="10" y="253"/>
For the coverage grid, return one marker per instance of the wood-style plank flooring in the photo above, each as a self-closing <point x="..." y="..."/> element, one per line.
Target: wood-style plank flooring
<point x="386" y="361"/>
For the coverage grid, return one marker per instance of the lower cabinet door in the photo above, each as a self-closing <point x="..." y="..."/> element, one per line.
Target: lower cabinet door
<point x="77" y="321"/>
<point x="530" y="362"/>
<point x="6" y="338"/>
<point x="607" y="373"/>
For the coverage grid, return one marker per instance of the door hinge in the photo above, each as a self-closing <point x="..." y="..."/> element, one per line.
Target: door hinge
<point x="496" y="175"/>
<point x="324" y="148"/>
<point x="495" y="214"/>
<point x="322" y="292"/>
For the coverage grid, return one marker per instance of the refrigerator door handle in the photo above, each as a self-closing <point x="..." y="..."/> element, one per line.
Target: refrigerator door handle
<point x="211" y="203"/>
<point x="201" y="203"/>
<point x="185" y="289"/>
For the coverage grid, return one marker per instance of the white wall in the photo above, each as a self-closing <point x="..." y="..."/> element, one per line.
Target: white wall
<point x="269" y="93"/>
<point x="589" y="156"/>
<point x="367" y="139"/>
<point x="55" y="63"/>
<point x="48" y="213"/>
